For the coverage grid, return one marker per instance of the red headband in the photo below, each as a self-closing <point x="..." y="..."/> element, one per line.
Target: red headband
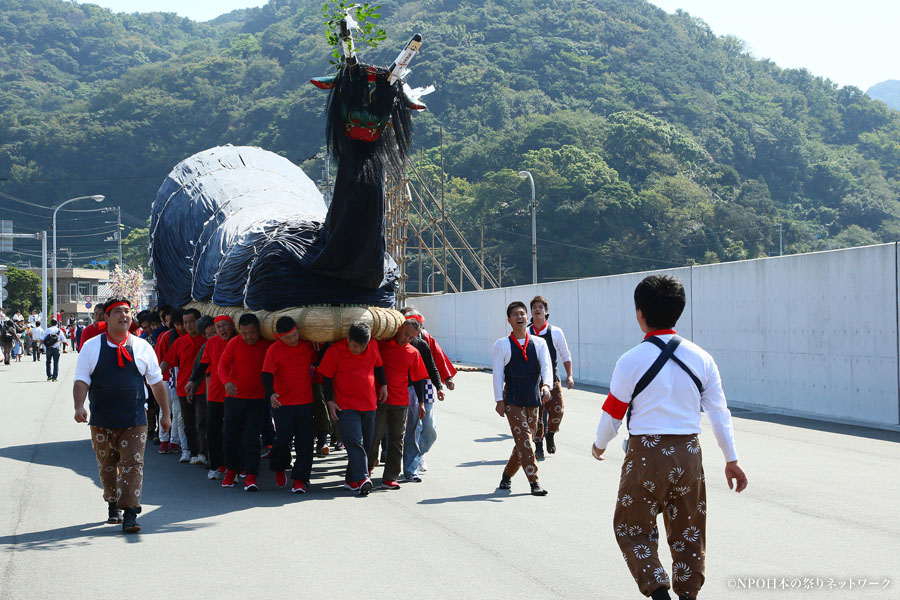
<point x="115" y="304"/>
<point x="278" y="336"/>
<point x="418" y="318"/>
<point x="223" y="318"/>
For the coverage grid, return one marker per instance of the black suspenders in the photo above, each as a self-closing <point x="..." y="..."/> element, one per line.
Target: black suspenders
<point x="667" y="352"/>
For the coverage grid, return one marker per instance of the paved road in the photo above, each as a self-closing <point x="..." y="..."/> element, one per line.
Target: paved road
<point x="822" y="503"/>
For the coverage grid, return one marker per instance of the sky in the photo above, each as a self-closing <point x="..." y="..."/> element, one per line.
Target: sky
<point x="849" y="42"/>
<point x="198" y="10"/>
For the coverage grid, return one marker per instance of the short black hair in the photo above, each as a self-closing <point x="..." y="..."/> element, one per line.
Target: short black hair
<point x="248" y="319"/>
<point x="661" y="300"/>
<point x="154" y="319"/>
<point x="516" y="304"/>
<point x="164" y="310"/>
<point x="191" y="311"/>
<point x="360" y="333"/>
<point x="203" y="323"/>
<point x="284" y="324"/>
<point x="177" y="316"/>
<point x="53" y="323"/>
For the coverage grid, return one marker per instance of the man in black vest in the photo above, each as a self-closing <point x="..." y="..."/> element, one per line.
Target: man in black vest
<point x="520" y="363"/>
<point x="111" y="370"/>
<point x="552" y="414"/>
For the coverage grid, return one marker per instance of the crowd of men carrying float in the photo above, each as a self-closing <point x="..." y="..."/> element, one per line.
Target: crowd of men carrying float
<point x="235" y="398"/>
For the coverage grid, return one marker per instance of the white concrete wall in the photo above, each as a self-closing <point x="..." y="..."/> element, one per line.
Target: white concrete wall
<point x="811" y="334"/>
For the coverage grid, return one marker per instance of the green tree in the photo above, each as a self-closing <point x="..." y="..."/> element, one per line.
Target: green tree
<point x="135" y="250"/>
<point x="24" y="290"/>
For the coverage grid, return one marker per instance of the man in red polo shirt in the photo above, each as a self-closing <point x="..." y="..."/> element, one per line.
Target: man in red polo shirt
<point x="240" y="370"/>
<point x="94" y="329"/>
<point x="215" y="394"/>
<point x="403" y="367"/>
<point x="287" y="377"/>
<point x="349" y="370"/>
<point x="172" y="443"/>
<point x="182" y="355"/>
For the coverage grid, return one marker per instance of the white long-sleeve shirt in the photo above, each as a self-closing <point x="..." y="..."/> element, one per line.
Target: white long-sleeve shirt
<point x="502" y="353"/>
<point x="563" y="355"/>
<point x="671" y="403"/>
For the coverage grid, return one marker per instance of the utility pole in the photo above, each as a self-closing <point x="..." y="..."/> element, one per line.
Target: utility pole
<point x="44" y="319"/>
<point x="499" y="270"/>
<point x="524" y="175"/>
<point x="119" y="234"/>
<point x="482" y="254"/>
<point x="443" y="213"/>
<point x="780" y="246"/>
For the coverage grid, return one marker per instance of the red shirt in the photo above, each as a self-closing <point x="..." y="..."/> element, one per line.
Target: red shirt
<point x="241" y="364"/>
<point x="445" y="367"/>
<point x="92" y="330"/>
<point x="163" y="343"/>
<point x="212" y="353"/>
<point x="95" y="329"/>
<point x="402" y="364"/>
<point x="352" y="375"/>
<point x="182" y="354"/>
<point x="292" y="368"/>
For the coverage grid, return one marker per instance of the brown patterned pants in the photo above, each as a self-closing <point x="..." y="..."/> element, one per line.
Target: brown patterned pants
<point x="663" y="474"/>
<point x="555" y="408"/>
<point x="523" y="420"/>
<point x="120" y="458"/>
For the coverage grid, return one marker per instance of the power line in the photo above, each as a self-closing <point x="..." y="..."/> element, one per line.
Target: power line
<point x="659" y="260"/>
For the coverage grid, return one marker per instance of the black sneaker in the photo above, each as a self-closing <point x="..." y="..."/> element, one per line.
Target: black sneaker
<point x="661" y="593"/>
<point x="129" y="524"/>
<point x="539" y="449"/>
<point x="366" y="487"/>
<point x="115" y="515"/>
<point x="505" y="483"/>
<point x="551" y="444"/>
<point x="537" y="490"/>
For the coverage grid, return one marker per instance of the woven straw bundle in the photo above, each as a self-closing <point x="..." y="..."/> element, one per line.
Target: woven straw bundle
<point x="316" y="323"/>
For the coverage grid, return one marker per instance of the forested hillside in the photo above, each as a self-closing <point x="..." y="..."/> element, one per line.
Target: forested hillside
<point x="652" y="141"/>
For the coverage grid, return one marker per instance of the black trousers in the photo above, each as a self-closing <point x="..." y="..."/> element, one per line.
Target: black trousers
<point x="294" y="426"/>
<point x="241" y="430"/>
<point x="199" y="408"/>
<point x="192" y="443"/>
<point x="215" y="418"/>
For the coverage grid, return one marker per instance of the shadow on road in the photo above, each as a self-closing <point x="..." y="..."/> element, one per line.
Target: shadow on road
<point x="484" y="463"/>
<point x="181" y="492"/>
<point x="495" y="496"/>
<point x="815" y="425"/>
<point x="500" y="437"/>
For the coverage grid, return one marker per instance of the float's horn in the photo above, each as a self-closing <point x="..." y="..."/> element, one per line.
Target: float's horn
<point x="401" y="63"/>
<point x="347" y="41"/>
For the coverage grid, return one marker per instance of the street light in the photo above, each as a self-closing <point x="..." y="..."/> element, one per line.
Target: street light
<point x="523" y="175"/>
<point x="95" y="198"/>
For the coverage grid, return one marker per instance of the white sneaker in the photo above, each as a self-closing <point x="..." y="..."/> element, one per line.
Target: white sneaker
<point x="213" y="474"/>
<point x="201" y="460"/>
<point x="422" y="466"/>
<point x="185" y="456"/>
<point x="195" y="460"/>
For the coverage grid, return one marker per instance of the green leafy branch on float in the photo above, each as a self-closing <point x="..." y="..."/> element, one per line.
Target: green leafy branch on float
<point x="366" y="33"/>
